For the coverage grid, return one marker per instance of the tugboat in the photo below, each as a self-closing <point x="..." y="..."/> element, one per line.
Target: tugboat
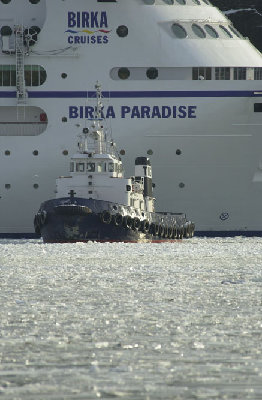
<point x="96" y="202"/>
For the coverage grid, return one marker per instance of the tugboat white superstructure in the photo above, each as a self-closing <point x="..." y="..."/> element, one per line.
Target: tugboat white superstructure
<point x="179" y="83"/>
<point x="97" y="203"/>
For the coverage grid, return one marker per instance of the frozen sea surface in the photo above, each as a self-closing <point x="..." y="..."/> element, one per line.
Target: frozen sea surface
<point x="131" y="321"/>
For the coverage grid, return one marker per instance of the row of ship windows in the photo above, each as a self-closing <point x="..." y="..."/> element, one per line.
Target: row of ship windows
<point x="198" y="73"/>
<point x="101" y="166"/>
<point x="204" y="31"/>
<point x="9" y="1"/>
<point x="180" y="2"/>
<point x="35" y="75"/>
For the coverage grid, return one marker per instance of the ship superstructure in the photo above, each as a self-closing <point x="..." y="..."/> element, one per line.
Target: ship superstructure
<point x="181" y="84"/>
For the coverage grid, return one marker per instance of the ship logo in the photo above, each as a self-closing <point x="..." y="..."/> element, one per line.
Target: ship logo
<point x="87" y="27"/>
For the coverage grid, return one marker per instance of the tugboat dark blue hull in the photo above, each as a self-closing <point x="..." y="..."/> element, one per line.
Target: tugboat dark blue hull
<point x="73" y="220"/>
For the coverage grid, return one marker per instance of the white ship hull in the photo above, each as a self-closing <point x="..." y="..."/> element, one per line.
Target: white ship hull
<point x="217" y="177"/>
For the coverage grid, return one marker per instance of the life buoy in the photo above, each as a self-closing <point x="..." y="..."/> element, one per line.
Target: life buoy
<point x="106" y="217"/>
<point x="118" y="219"/>
<point x="145" y="225"/>
<point x="136" y="223"/>
<point x="127" y="221"/>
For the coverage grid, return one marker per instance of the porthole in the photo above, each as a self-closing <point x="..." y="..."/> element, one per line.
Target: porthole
<point x="7" y="152"/>
<point x="123" y="73"/>
<point x="64" y="119"/>
<point x="179" y="31"/>
<point x="6" y="31"/>
<point x="35" y="153"/>
<point x="181" y="185"/>
<point x="65" y="152"/>
<point x="211" y="31"/>
<point x="64" y="75"/>
<point x="150" y="152"/>
<point x="178" y="152"/>
<point x="181" y="2"/>
<point x="198" y="31"/>
<point x="34" y="1"/>
<point x="226" y="31"/>
<point x="122" y="152"/>
<point x="5" y="1"/>
<point x="152" y="73"/>
<point x="7" y="186"/>
<point x="35" y="186"/>
<point x="122" y="31"/>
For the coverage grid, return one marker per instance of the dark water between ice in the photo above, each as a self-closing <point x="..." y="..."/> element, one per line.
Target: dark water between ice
<point x="131" y="321"/>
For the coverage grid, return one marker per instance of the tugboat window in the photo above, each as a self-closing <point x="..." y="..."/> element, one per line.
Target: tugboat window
<point x="80" y="167"/>
<point x="72" y="165"/>
<point x="197" y="2"/>
<point x="179" y="31"/>
<point x="111" y="167"/>
<point x="183" y="2"/>
<point x="90" y="167"/>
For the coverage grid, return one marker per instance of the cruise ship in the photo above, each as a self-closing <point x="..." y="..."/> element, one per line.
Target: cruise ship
<point x="180" y="84"/>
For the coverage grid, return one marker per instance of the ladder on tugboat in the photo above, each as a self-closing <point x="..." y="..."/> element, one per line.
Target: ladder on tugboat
<point x="20" y="72"/>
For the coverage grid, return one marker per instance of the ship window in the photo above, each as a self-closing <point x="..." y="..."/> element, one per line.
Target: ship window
<point x="225" y="31"/>
<point x="7" y="186"/>
<point x="72" y="167"/>
<point x="234" y="31"/>
<point x="240" y="74"/>
<point x="34" y="1"/>
<point x="35" y="153"/>
<point x="65" y="152"/>
<point x="80" y="167"/>
<point x="222" y="73"/>
<point x="258" y="107"/>
<point x="7" y="153"/>
<point x="196" y="2"/>
<point x="35" y="75"/>
<point x="201" y="73"/>
<point x="181" y="2"/>
<point x="122" y="31"/>
<point x="179" y="31"/>
<point x="169" y="2"/>
<point x="90" y="167"/>
<point x="178" y="152"/>
<point x="123" y="73"/>
<point x="64" y="75"/>
<point x="110" y="167"/>
<point x="152" y="73"/>
<point x="36" y="186"/>
<point x="211" y="31"/>
<point x="101" y="167"/>
<point x="198" y="31"/>
<point x="258" y="74"/>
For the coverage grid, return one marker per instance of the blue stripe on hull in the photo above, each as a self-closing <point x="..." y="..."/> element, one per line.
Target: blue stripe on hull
<point x="136" y="94"/>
